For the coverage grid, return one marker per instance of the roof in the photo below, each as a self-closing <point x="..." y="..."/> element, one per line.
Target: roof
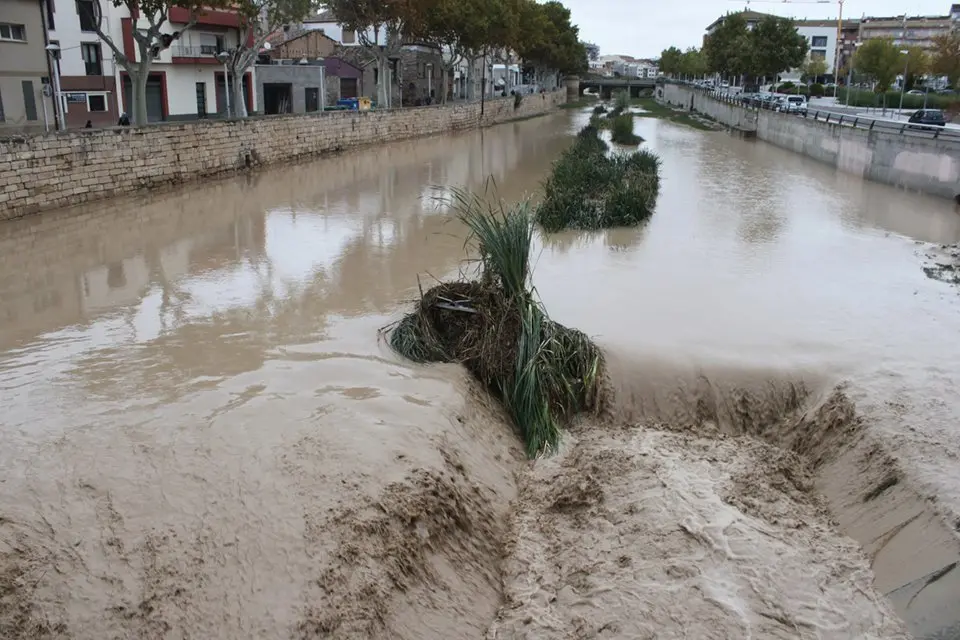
<point x="847" y="24"/>
<point x="297" y="35"/>
<point x="323" y="16"/>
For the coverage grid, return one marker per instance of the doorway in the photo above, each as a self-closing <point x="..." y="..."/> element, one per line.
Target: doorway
<point x="277" y="98"/>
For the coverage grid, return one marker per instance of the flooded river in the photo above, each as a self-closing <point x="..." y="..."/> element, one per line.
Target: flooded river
<point x="202" y="436"/>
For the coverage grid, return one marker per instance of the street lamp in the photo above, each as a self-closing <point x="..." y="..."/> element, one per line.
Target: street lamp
<point x="903" y="85"/>
<point x="223" y="57"/>
<point x="54" y="50"/>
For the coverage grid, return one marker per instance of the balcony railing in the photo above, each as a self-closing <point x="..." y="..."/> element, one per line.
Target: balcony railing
<point x="199" y="51"/>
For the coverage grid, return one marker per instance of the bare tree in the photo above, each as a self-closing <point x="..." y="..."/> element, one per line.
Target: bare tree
<point x="380" y="26"/>
<point x="259" y="19"/>
<point x="150" y="41"/>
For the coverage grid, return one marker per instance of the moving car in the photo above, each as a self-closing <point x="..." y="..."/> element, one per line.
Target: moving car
<point x="928" y="118"/>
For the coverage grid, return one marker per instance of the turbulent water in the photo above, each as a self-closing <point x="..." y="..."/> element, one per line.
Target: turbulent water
<point x="202" y="436"/>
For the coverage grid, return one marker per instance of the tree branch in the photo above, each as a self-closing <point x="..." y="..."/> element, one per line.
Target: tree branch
<point x="97" y="21"/>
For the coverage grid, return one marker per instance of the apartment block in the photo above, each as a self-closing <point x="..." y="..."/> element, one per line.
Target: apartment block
<point x="24" y="72"/>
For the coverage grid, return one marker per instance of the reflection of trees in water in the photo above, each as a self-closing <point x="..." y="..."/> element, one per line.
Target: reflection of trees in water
<point x="625" y="239"/>
<point x="397" y="236"/>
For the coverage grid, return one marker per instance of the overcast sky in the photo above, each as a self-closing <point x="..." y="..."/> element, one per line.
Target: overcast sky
<point x="644" y="28"/>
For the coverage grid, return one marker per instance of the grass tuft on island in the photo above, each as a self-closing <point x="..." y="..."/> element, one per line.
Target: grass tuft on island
<point x="590" y="189"/>
<point x="621" y="130"/>
<point x="543" y="372"/>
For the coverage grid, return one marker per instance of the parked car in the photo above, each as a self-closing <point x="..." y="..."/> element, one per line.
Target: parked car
<point x="928" y="118"/>
<point x="793" y="104"/>
<point x="914" y="92"/>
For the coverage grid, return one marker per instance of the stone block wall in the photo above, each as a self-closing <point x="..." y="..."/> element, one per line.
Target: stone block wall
<point x="45" y="172"/>
<point x="924" y="164"/>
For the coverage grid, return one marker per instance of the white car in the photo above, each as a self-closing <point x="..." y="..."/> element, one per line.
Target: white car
<point x="793" y="104"/>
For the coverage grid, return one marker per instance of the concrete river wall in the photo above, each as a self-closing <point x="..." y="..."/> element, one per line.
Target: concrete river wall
<point x="45" y="172"/>
<point x="924" y="164"/>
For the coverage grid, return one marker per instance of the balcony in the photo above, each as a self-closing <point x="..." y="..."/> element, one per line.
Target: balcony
<point x="195" y="54"/>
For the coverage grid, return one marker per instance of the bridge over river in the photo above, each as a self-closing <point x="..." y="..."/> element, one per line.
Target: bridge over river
<point x="606" y="86"/>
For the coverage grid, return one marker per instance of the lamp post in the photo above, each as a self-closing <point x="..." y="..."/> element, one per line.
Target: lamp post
<point x="903" y="85"/>
<point x="224" y="57"/>
<point x="54" y="50"/>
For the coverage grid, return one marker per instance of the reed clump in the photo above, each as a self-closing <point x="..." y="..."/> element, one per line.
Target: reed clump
<point x="543" y="372"/>
<point x="621" y="130"/>
<point x="591" y="189"/>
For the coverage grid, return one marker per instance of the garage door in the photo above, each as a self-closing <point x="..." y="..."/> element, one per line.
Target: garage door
<point x="348" y="88"/>
<point x="154" y="98"/>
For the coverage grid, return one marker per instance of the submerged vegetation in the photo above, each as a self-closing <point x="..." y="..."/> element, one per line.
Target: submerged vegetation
<point x="591" y="189"/>
<point x="543" y="372"/>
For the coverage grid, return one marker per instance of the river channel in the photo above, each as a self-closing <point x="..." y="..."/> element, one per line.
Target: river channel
<point x="199" y="428"/>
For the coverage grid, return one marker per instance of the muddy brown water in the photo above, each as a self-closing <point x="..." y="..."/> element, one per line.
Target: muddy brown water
<point x="201" y="435"/>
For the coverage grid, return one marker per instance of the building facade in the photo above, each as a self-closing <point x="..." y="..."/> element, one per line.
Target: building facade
<point x="24" y="69"/>
<point x="301" y="74"/>
<point x="88" y="75"/>
<point x="906" y="31"/>
<point x="186" y="80"/>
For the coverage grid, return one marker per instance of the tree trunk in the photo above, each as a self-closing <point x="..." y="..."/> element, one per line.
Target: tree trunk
<point x="444" y="83"/>
<point x="138" y="96"/>
<point x="383" y="82"/>
<point x="471" y="85"/>
<point x="238" y="101"/>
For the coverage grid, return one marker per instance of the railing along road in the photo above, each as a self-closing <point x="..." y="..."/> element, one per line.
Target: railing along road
<point x="907" y="129"/>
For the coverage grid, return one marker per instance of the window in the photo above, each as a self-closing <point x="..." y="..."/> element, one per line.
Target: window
<point x="96" y="102"/>
<point x="349" y="37"/>
<point x="819" y="41"/>
<point x="820" y="54"/>
<point x="15" y="32"/>
<point x="221" y="44"/>
<point x="92" y="58"/>
<point x="48" y="5"/>
<point x="86" y="9"/>
<point x="202" y="99"/>
<point x="29" y="100"/>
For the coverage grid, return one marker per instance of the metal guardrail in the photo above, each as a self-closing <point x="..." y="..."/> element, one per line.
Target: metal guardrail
<point x="906" y="129"/>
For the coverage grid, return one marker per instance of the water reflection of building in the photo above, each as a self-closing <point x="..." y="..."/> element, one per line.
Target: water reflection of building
<point x="119" y="283"/>
<point x="124" y="282"/>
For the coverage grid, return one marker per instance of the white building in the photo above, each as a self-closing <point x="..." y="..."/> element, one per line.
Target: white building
<point x="327" y="24"/>
<point x="87" y="71"/>
<point x="822" y="41"/>
<point x="186" y="81"/>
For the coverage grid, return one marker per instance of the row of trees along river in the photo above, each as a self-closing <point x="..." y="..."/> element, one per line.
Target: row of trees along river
<point x="541" y="35"/>
<point x="774" y="46"/>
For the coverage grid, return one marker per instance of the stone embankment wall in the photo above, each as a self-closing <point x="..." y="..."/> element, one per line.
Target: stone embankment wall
<point x="927" y="165"/>
<point x="46" y="172"/>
